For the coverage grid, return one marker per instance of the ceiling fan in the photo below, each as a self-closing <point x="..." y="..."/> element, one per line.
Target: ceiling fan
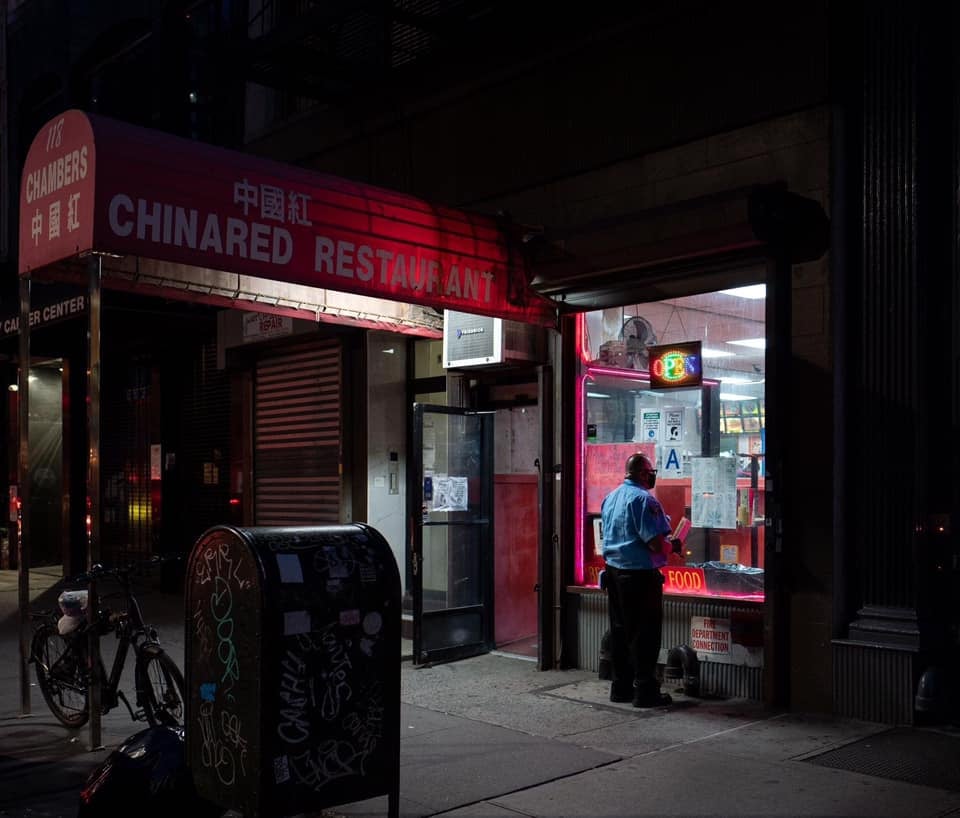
<point x="637" y="333"/>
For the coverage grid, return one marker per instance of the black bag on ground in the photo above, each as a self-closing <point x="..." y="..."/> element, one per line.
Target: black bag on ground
<point x="146" y="776"/>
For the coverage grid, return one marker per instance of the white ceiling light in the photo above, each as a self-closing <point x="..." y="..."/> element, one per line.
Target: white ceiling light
<point x="753" y="343"/>
<point x="735" y="396"/>
<point x="716" y="353"/>
<point x="754" y="291"/>
<point x="597" y="395"/>
<point x="737" y="379"/>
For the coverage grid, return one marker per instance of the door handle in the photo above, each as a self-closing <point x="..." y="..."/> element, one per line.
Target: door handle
<point x="415" y="562"/>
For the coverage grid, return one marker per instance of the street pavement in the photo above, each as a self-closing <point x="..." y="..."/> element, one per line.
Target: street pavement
<point x="492" y="736"/>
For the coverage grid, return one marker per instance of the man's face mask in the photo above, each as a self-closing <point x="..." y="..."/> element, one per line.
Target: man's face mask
<point x="646" y="477"/>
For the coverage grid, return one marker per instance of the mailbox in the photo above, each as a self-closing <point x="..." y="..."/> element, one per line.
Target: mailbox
<point x="293" y="668"/>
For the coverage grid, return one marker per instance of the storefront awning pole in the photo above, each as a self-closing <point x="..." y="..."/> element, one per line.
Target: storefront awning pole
<point x="548" y="579"/>
<point x="93" y="488"/>
<point x="23" y="482"/>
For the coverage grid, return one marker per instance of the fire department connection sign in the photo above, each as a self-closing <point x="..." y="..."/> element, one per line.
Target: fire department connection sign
<point x="91" y="183"/>
<point x="710" y="636"/>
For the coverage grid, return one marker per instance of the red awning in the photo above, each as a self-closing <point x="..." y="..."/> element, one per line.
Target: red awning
<point x="95" y="184"/>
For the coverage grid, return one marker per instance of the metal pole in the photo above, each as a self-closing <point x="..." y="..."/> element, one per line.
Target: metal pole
<point x="779" y="356"/>
<point x="93" y="493"/>
<point x="548" y="612"/>
<point x="4" y="136"/>
<point x="23" y="479"/>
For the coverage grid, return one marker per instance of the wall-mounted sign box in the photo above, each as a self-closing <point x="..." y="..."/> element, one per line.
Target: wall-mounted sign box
<point x="674" y="366"/>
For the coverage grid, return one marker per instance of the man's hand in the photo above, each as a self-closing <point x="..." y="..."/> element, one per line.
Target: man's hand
<point x="666" y="545"/>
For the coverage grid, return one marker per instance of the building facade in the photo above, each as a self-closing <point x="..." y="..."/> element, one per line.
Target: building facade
<point x="628" y="150"/>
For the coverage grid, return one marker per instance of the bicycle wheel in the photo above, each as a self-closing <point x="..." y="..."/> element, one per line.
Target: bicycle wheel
<point x="160" y="688"/>
<point x="61" y="676"/>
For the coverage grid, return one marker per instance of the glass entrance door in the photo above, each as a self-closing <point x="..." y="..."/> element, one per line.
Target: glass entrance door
<point x="452" y="533"/>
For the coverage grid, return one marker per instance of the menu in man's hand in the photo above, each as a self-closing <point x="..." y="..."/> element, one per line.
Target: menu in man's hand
<point x="683" y="528"/>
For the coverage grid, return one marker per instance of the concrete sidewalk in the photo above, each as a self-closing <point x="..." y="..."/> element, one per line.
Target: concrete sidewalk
<point x="493" y="736"/>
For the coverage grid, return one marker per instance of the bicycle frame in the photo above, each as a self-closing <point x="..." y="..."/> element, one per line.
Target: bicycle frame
<point x="131" y="631"/>
<point x="70" y="663"/>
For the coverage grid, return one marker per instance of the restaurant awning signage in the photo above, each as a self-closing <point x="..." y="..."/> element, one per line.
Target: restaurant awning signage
<point x="94" y="184"/>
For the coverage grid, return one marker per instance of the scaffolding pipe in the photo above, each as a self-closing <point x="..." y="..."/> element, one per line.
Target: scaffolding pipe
<point x="23" y="501"/>
<point x="95" y="269"/>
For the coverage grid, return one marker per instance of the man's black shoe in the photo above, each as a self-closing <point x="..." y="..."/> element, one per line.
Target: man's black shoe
<point x="653" y="700"/>
<point x="621" y="695"/>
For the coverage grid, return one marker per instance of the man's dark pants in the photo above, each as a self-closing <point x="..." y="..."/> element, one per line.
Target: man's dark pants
<point x="635" y="600"/>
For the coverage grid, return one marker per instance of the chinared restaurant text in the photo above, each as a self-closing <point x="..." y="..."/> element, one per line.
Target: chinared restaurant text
<point x="168" y="224"/>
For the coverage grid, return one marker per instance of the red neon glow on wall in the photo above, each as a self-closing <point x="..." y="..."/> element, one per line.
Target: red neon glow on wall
<point x="579" y="421"/>
<point x="579" y="336"/>
<point x="588" y="375"/>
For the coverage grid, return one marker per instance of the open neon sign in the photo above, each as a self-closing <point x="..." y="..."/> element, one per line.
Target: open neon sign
<point x="676" y="365"/>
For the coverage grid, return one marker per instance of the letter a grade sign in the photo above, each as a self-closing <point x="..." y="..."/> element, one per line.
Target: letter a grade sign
<point x="671" y="464"/>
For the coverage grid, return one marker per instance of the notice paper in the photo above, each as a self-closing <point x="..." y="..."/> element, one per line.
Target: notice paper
<point x="714" y="492"/>
<point x="449" y="493"/>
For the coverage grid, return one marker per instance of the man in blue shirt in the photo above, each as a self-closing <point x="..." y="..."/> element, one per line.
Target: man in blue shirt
<point x="636" y="543"/>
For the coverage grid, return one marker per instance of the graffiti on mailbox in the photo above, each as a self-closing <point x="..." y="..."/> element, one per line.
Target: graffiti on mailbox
<point x="220" y="576"/>
<point x="294" y="666"/>
<point x="330" y="713"/>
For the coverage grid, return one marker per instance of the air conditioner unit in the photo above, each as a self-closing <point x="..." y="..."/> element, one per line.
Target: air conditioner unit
<point x="480" y="341"/>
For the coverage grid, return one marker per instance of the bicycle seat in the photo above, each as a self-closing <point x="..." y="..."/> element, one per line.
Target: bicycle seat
<point x="68" y="624"/>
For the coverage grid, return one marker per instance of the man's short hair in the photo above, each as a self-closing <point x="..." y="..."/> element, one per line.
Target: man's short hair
<point x="636" y="462"/>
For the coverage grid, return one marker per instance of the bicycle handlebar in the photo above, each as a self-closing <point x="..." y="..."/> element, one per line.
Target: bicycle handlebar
<point x="99" y="571"/>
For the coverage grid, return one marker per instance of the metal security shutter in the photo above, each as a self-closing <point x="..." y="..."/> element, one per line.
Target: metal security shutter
<point x="202" y="495"/>
<point x="297" y="435"/>
<point x="127" y="525"/>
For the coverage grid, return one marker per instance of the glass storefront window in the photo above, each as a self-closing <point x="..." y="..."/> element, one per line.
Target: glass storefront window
<point x="706" y="442"/>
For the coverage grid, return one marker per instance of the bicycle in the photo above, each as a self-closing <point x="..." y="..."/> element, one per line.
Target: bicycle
<point x="60" y="648"/>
